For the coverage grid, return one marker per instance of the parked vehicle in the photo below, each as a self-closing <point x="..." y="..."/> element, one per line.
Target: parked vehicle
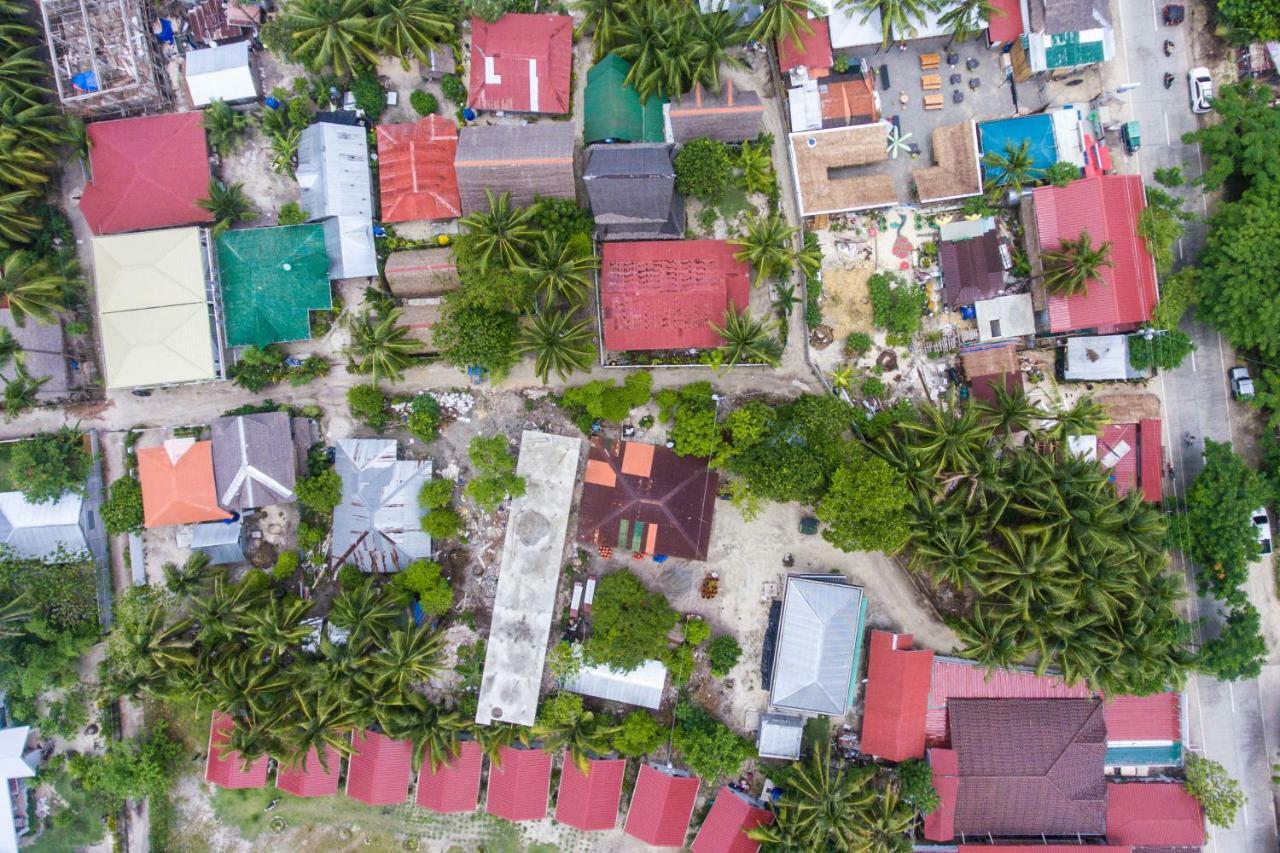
<point x="1262" y="526"/>
<point x="1241" y="383"/>
<point x="1174" y="14"/>
<point x="1131" y="134"/>
<point x="1201" y="85"/>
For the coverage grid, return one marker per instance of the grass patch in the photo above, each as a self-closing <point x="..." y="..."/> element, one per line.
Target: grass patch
<point x="73" y="826"/>
<point x="733" y="202"/>
<point x="6" y="467"/>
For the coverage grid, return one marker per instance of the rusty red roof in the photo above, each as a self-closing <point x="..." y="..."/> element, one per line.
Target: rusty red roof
<point x="1155" y="814"/>
<point x="814" y="52"/>
<point x="665" y="294"/>
<point x="1006" y="27"/>
<point x="661" y="807"/>
<point x="146" y="172"/>
<point x="1144" y="718"/>
<point x="227" y="770"/>
<point x="1150" y="460"/>
<point x="521" y="63"/>
<point x="897" y="697"/>
<point x="379" y="768"/>
<point x="590" y="801"/>
<point x="957" y="679"/>
<point x="1106" y="206"/>
<point x="519" y="783"/>
<point x="310" y="779"/>
<point x="1043" y="848"/>
<point x="725" y="828"/>
<point x="416" y="177"/>
<point x="1118" y="453"/>
<point x="940" y="824"/>
<point x="454" y="786"/>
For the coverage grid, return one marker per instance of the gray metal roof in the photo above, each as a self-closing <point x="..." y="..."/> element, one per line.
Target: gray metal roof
<point x="1068" y="16"/>
<point x="39" y="530"/>
<point x="642" y="686"/>
<point x="378" y="525"/>
<point x="220" y="541"/>
<point x="632" y="190"/>
<point x="1099" y="358"/>
<point x="781" y="736"/>
<point x="253" y="460"/>
<point x="333" y="174"/>
<point x="817" y="636"/>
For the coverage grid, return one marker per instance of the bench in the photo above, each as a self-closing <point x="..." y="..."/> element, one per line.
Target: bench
<point x="930" y="61"/>
<point x="931" y="82"/>
<point x="933" y="102"/>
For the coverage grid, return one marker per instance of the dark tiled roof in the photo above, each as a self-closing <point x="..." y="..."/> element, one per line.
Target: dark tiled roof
<point x="253" y="461"/>
<point x="632" y="189"/>
<point x="971" y="269"/>
<point x="732" y="115"/>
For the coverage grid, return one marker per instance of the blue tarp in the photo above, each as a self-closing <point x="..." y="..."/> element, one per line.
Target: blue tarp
<point x="166" y="31"/>
<point x="85" y="81"/>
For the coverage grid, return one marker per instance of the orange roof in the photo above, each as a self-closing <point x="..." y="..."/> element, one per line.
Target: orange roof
<point x="847" y="99"/>
<point x="637" y="459"/>
<point x="415" y="170"/>
<point x="177" y="484"/>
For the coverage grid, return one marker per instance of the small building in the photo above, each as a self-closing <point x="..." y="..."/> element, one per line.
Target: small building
<point x="153" y="310"/>
<point x="271" y="280"/>
<point x="731" y="817"/>
<point x="667" y="294"/>
<point x="589" y="801"/>
<point x="1006" y="26"/>
<point x="972" y="269"/>
<point x="177" y="483"/>
<point x="41" y="531"/>
<point x="612" y="110"/>
<point x="1151" y="815"/>
<point x="378" y="525"/>
<point x="641" y="686"/>
<point x="896" y="698"/>
<point x="421" y="273"/>
<point x="852" y="27"/>
<point x="812" y="57"/>
<point x="522" y="64"/>
<point x="1133" y="457"/>
<point x="222" y="73"/>
<point x="415" y="170"/>
<point x="632" y="191"/>
<point x="221" y="541"/>
<point x="957" y="169"/>
<point x="1144" y="733"/>
<point x="379" y="769"/>
<point x="661" y="806"/>
<point x="17" y="765"/>
<point x="253" y="460"/>
<point x="146" y="172"/>
<point x="1099" y="358"/>
<point x="834" y="101"/>
<point x="454" y="786"/>
<point x="1011" y="316"/>
<point x="1062" y="35"/>
<point x="44" y="355"/>
<point x="781" y="736"/>
<point x="420" y="318"/>
<point x="730" y="115"/>
<point x="989" y="366"/>
<point x="519" y="783"/>
<point x="311" y="777"/>
<point x="103" y="56"/>
<point x="526" y="162"/>
<point x="333" y="174"/>
<point x="227" y="768"/>
<point x="819" y="638"/>
<point x="827" y="167"/>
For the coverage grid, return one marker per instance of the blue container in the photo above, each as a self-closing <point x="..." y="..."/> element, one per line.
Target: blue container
<point x="469" y="114"/>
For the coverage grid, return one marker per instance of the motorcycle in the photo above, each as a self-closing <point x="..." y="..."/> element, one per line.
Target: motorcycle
<point x="1168" y="80"/>
<point x="1168" y="47"/>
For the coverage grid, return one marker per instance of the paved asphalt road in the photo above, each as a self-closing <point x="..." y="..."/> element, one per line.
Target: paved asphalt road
<point x="1225" y="720"/>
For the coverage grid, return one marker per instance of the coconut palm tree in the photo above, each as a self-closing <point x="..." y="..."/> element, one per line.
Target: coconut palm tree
<point x="560" y="269"/>
<point x="251" y="738"/>
<point x="380" y="348"/>
<point x="785" y="300"/>
<point x="715" y="35"/>
<point x="410" y="656"/>
<point x="991" y="639"/>
<point x="17" y="224"/>
<point x="823" y="804"/>
<point x="948" y="438"/>
<point x="767" y="246"/>
<point x="433" y="733"/>
<point x="366" y="612"/>
<point x="191" y="578"/>
<point x="581" y="733"/>
<point x="217" y="612"/>
<point x="502" y="233"/>
<point x="785" y="19"/>
<point x="1014" y="412"/>
<point x="809" y="257"/>
<point x="747" y="339"/>
<point x="24" y="160"/>
<point x="885" y="826"/>
<point x="225" y="127"/>
<point x="1083" y="418"/>
<point x="228" y="204"/>
<point x="601" y="17"/>
<point x="952" y="548"/>
<point x="14" y="615"/>
<point x="655" y="38"/>
<point x="332" y="33"/>
<point x="842" y="378"/>
<point x="20" y="392"/>
<point x="154" y="642"/>
<point x="1069" y="268"/>
<point x="1011" y="169"/>
<point x="967" y="18"/>
<point x="558" y="343"/>
<point x="493" y="737"/>
<point x="407" y="28"/>
<point x="273" y="628"/>
<point x="757" y="168"/>
<point x="317" y="721"/>
<point x="41" y="122"/>
<point x="898" y="18"/>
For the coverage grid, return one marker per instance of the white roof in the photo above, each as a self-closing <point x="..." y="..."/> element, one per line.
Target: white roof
<point x="817" y="636"/>
<point x="1068" y="135"/>
<point x="641" y="686"/>
<point x="333" y="173"/>
<point x="221" y="73"/>
<point x="966" y="229"/>
<point x="1097" y="358"/>
<point x="848" y="28"/>
<point x="1005" y="317"/>
<point x="348" y="241"/>
<point x="39" y="530"/>
<point x="532" y="555"/>
<point x="781" y="736"/>
<point x="806" y="106"/>
<point x="13" y="744"/>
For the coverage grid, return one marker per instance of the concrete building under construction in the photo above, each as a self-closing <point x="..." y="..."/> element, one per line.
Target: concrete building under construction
<point x="103" y="56"/>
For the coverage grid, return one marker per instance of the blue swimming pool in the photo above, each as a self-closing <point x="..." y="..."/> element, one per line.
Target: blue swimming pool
<point x="1036" y="129"/>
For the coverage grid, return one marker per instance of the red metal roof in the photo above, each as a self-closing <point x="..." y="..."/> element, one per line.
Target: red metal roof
<point x="1144" y="718"/>
<point x="378" y="770"/>
<point x="415" y="170"/>
<point x="939" y="824"/>
<point x="725" y="828"/>
<point x="1042" y="848"/>
<point x="1150" y="460"/>
<point x="665" y="294"/>
<point x="1153" y="814"/>
<point x="455" y="785"/>
<point x="1106" y="206"/>
<point x="521" y="63"/>
<point x="147" y="172"/>
<point x="590" y="801"/>
<point x="1006" y="27"/>
<point x="228" y="770"/>
<point x="519" y="783"/>
<point x="661" y="807"/>
<point x="310" y="779"/>
<point x="1119" y="444"/>
<point x="897" y="697"/>
<point x="814" y="52"/>
<point x="957" y="679"/>
<point x="1142" y="461"/>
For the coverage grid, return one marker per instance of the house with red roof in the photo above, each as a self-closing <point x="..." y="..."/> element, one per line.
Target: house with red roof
<point x="1153" y="815"/>
<point x="453" y="786"/>
<point x="896" y="697"/>
<point x="1133" y="456"/>
<point x="310" y="777"/>
<point x="227" y="769"/>
<point x="813" y="53"/>
<point x="590" y="800"/>
<point x="1006" y="26"/>
<point x="661" y="806"/>
<point x="379" y="768"/>
<point x="177" y="483"/>
<point x="146" y="172"/>
<point x="519" y="782"/>
<point x="1107" y="207"/>
<point x="732" y="815"/>
<point x="521" y="64"/>
<point x="416" y="177"/>
<point x="666" y="294"/>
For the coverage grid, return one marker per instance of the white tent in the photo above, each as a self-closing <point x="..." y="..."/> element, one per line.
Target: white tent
<point x="221" y="73"/>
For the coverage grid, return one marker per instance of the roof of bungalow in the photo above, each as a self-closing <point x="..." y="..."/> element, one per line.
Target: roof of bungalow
<point x="453" y="786"/>
<point x="310" y="778"/>
<point x="1133" y="457"/>
<point x="641" y="686"/>
<point x="227" y="769"/>
<point x="420" y="320"/>
<point x="221" y="73"/>
<point x="632" y="192"/>
<point x="272" y="279"/>
<point x="253" y="460"/>
<point x="177" y="483"/>
<point x="732" y="815"/>
<point x="220" y="541"/>
<point x="16" y="762"/>
<point x="612" y="110"/>
<point x="519" y="782"/>
<point x="813" y="52"/>
<point x="421" y="273"/>
<point x="333" y="176"/>
<point x="1002" y="317"/>
<point x="378" y="769"/>
<point x="781" y="736"/>
<point x="957" y="169"/>
<point x="146" y="172"/>
<point x="1099" y="358"/>
<point x="896" y="697"/>
<point x="953" y="678"/>
<point x="730" y="115"/>
<point x="41" y="530"/>
<point x="971" y="269"/>
<point x="850" y="27"/>
<point x="1065" y="16"/>
<point x="378" y="526"/>
<point x="416" y="178"/>
<point x="531" y="161"/>
<point x="827" y="168"/>
<point x="44" y="354"/>
<point x="818" y="638"/>
<point x="521" y="63"/>
<point x="1006" y="25"/>
<point x="661" y="806"/>
<point x="590" y="800"/>
<point x="1154" y="815"/>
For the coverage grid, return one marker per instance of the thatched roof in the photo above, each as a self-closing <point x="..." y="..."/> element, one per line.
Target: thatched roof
<point x="825" y="161"/>
<point x="987" y="360"/>
<point x="957" y="173"/>
<point x="420" y="320"/>
<point x="526" y="161"/>
<point x="416" y="273"/>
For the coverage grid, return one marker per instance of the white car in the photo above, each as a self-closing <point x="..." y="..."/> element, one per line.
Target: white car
<point x="1201" y="89"/>
<point x="1262" y="526"/>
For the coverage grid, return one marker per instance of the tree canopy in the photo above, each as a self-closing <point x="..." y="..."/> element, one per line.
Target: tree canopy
<point x="865" y="508"/>
<point x="1220" y="533"/>
<point x="710" y="748"/>
<point x="49" y="465"/>
<point x="630" y="624"/>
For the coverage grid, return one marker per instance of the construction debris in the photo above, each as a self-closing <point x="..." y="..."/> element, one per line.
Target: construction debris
<point x="103" y="56"/>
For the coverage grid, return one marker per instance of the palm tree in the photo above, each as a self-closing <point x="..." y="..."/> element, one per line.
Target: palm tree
<point x="410" y="27"/>
<point x="228" y="204"/>
<point x="381" y="348"/>
<point x="23" y="160"/>
<point x="785" y="300"/>
<point x="582" y="735"/>
<point x="252" y="739"/>
<point x="410" y="656"/>
<point x="433" y="733"/>
<point x="601" y="18"/>
<point x="990" y="639"/>
<point x="655" y="39"/>
<point x="1069" y="268"/>
<point x="967" y="18"/>
<point x="318" y="722"/>
<point x="842" y="378"/>
<point x="276" y="627"/>
<point x="217" y="612"/>
<point x="716" y="34"/>
<point x="1011" y="170"/>
<point x="948" y="438"/>
<point x="885" y="826"/>
<point x="767" y="246"/>
<point x="33" y="286"/>
<point x="748" y="340"/>
<point x="560" y="269"/>
<point x="154" y="643"/>
<point x="225" y="127"/>
<point x="1014" y="412"/>
<point x="785" y="19"/>
<point x="366" y="612"/>
<point x="493" y="737"/>
<point x="501" y="231"/>
<point x="187" y="581"/>
<point x="333" y="33"/>
<point x="558" y="344"/>
<point x="823" y="804"/>
<point x="17" y="224"/>
<point x="284" y="151"/>
<point x="21" y="392"/>
<point x="1083" y="418"/>
<point x="757" y="168"/>
<point x="36" y="121"/>
<point x="898" y="18"/>
<point x="809" y="257"/>
<point x="14" y="615"/>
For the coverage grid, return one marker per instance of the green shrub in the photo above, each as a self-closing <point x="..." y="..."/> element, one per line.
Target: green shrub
<point x="696" y="632"/>
<point x="436" y="493"/>
<point x="350" y="577"/>
<point x="310" y="536"/>
<point x="857" y="344"/>
<point x="639" y="734"/>
<point x="453" y="88"/>
<point x="255" y="580"/>
<point x="679" y="661"/>
<point x="723" y="654"/>
<point x="709" y="747"/>
<point x="369" y="95"/>
<point x="424" y="418"/>
<point x="425" y="580"/>
<point x="1164" y="351"/>
<point x="320" y="493"/>
<point x="291" y="213"/>
<point x="496" y="477"/>
<point x="442" y="523"/>
<point x="873" y="386"/>
<point x="122" y="512"/>
<point x="368" y="404"/>
<point x="424" y="103"/>
<point x="49" y="465"/>
<point x="604" y="400"/>
<point x="286" y="564"/>
<point x="897" y="305"/>
<point x="704" y="169"/>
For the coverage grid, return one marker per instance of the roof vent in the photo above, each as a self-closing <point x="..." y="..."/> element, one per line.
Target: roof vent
<point x="811" y="141"/>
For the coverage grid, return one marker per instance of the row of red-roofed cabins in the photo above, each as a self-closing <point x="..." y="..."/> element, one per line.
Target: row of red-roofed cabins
<point x="379" y="770"/>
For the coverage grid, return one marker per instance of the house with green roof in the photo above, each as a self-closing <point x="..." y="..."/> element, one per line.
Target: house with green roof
<point x="272" y="278"/>
<point x="1062" y="35"/>
<point x="612" y="111"/>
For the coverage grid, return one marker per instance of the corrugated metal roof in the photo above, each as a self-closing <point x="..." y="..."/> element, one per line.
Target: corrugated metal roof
<point x="957" y="679"/>
<point x="415" y="170"/>
<point x="454" y="786"/>
<point x="1099" y="358"/>
<point x="896" y="697"/>
<point x="272" y="279"/>
<point x="642" y="686"/>
<point x="521" y="63"/>
<point x="309" y="778"/>
<point x="814" y="51"/>
<point x="781" y="736"/>
<point x="220" y="73"/>
<point x="1144" y="718"/>
<point x="724" y="830"/>
<point x="177" y="483"/>
<point x="227" y="770"/>
<point x="730" y="115"/>
<point x="219" y="540"/>
<point x="378" y="769"/>
<point x="817" y="639"/>
<point x="333" y="175"/>
<point x="1006" y="25"/>
<point x="519" y="782"/>
<point x="590" y="801"/>
<point x="40" y="530"/>
<point x="527" y="162"/>
<point x="378" y="525"/>
<point x="612" y="111"/>
<point x="661" y="806"/>
<point x="1150" y="460"/>
<point x="253" y="460"/>
<point x="1153" y="813"/>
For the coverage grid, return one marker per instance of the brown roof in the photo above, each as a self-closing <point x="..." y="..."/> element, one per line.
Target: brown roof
<point x="825" y="164"/>
<point x="415" y="273"/>
<point x="645" y="498"/>
<point x="988" y="360"/>
<point x="528" y="161"/>
<point x="420" y="320"/>
<point x="731" y="115"/>
<point x="971" y="269"/>
<point x="956" y="175"/>
<point x="848" y="101"/>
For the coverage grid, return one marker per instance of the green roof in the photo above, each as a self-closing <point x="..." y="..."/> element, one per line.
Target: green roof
<point x="1067" y="50"/>
<point x="271" y="279"/>
<point x="613" y="111"/>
